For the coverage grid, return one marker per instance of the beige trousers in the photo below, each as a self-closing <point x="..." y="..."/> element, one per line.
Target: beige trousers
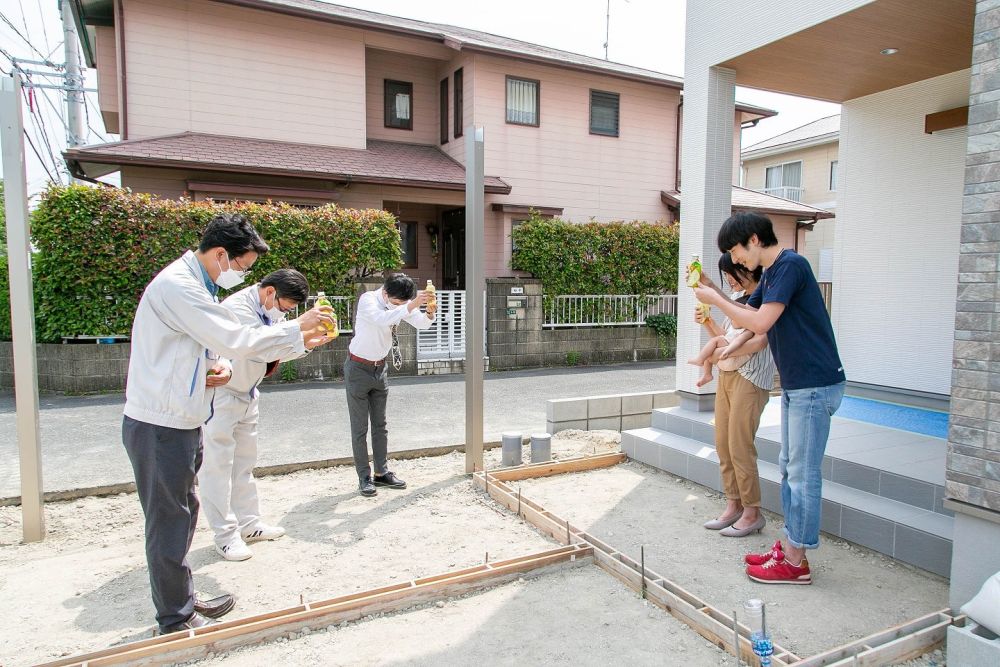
<point x="738" y="406"/>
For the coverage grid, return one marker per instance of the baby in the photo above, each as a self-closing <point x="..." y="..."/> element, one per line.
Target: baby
<point x="721" y="351"/>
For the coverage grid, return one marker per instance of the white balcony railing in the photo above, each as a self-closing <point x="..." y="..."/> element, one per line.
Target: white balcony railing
<point x="787" y="192"/>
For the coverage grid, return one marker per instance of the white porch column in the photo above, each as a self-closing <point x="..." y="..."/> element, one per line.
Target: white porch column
<point x="706" y="191"/>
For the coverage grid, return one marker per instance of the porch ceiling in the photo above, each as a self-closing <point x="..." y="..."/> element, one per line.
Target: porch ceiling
<point x="840" y="59"/>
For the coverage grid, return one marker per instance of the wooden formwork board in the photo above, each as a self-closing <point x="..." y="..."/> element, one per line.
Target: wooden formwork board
<point x="898" y="643"/>
<point x="178" y="647"/>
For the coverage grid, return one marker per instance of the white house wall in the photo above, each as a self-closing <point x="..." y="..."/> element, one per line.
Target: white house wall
<point x="898" y="224"/>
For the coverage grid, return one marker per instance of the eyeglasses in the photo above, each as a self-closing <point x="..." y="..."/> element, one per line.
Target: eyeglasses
<point x="240" y="266"/>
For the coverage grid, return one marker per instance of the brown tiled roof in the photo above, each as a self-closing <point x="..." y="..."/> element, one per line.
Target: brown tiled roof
<point x="751" y="200"/>
<point x="383" y="162"/>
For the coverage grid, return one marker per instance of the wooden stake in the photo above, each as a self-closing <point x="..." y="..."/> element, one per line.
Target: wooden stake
<point x="642" y="556"/>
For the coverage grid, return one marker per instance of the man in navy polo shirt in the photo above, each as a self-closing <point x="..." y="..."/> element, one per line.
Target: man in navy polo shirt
<point x="789" y="308"/>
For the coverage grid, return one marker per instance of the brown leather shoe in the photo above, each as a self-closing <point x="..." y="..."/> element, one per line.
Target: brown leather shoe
<point x="196" y="621"/>
<point x="216" y="607"/>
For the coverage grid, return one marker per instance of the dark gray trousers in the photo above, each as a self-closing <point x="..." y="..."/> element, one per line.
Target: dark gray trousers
<point x="367" y="391"/>
<point x="165" y="462"/>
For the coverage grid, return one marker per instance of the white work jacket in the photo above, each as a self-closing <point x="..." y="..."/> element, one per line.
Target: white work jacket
<point x="178" y="325"/>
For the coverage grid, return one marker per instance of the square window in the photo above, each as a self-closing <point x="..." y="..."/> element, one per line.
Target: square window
<point x="522" y="101"/>
<point x="604" y="113"/>
<point x="399" y="104"/>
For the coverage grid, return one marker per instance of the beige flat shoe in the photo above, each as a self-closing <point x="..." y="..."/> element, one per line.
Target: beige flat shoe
<point x="725" y="522"/>
<point x="755" y="527"/>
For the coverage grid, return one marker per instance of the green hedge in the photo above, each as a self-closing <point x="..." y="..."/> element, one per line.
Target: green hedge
<point x="97" y="248"/>
<point x="598" y="258"/>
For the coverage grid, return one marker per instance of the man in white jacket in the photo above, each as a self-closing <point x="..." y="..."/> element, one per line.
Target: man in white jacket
<point x="173" y="370"/>
<point x="366" y="377"/>
<point x="228" y="488"/>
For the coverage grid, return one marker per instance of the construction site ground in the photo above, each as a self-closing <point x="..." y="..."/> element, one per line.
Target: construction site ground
<point x="85" y="587"/>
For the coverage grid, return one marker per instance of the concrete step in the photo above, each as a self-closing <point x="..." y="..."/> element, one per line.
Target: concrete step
<point x="906" y="532"/>
<point x="897" y="465"/>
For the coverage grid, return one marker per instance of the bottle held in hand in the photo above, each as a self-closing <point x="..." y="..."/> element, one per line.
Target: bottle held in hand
<point x="431" y="297"/>
<point x="332" y="328"/>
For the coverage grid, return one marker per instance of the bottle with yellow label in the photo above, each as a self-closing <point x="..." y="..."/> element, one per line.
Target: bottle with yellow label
<point x="694" y="270"/>
<point x="694" y="277"/>
<point x="432" y="301"/>
<point x="332" y="328"/>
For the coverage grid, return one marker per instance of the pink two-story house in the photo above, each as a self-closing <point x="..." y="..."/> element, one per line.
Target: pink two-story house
<point x="308" y="102"/>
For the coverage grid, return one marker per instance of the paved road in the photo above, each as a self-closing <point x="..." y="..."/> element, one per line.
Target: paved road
<point x="81" y="435"/>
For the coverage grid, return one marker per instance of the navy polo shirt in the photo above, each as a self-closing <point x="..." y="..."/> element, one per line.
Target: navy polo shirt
<point x="801" y="340"/>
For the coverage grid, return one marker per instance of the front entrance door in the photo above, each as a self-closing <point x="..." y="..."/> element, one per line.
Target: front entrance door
<point x="453" y="249"/>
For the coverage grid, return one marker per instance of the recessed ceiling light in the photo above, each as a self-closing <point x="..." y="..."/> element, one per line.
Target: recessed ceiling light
<point x="889" y="52"/>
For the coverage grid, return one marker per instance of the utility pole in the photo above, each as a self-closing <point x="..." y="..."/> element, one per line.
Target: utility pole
<point x="76" y="110"/>
<point x="607" y="29"/>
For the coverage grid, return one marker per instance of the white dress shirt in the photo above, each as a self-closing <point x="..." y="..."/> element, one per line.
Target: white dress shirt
<point x="373" y="325"/>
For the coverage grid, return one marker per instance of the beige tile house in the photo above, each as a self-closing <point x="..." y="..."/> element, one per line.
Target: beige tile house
<point x="801" y="165"/>
<point x="309" y="102"/>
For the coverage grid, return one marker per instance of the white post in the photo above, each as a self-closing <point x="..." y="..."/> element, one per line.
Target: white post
<point x="22" y="309"/>
<point x="475" y="286"/>
<point x="76" y="133"/>
<point x="707" y="165"/>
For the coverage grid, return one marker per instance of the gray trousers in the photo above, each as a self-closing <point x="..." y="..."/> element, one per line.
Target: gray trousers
<point x="165" y="462"/>
<point x="367" y="391"/>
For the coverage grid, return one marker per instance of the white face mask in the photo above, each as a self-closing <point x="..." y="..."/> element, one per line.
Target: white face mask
<point x="274" y="313"/>
<point x="230" y="277"/>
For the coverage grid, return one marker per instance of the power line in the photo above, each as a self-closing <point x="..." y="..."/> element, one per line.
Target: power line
<point x="40" y="126"/>
<point x="41" y="15"/>
<point x="38" y="155"/>
<point x="90" y="127"/>
<point x="18" y="33"/>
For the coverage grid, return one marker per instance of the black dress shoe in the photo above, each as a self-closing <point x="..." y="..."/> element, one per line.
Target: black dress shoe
<point x="196" y="621"/>
<point x="389" y="479"/>
<point x="367" y="488"/>
<point x="216" y="607"/>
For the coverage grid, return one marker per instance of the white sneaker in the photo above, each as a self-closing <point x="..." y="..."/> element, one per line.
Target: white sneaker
<point x="235" y="550"/>
<point x="261" y="531"/>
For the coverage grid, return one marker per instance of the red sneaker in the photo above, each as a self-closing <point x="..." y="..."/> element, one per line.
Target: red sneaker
<point x="777" y="570"/>
<point x="760" y="559"/>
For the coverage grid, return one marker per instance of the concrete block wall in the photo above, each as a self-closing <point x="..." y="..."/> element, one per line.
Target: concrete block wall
<point x="617" y="412"/>
<point x="520" y="341"/>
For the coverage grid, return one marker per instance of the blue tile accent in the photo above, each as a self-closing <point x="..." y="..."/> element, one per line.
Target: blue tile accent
<point x="903" y="417"/>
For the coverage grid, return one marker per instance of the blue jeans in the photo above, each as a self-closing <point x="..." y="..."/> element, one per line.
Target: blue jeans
<point x="805" y="427"/>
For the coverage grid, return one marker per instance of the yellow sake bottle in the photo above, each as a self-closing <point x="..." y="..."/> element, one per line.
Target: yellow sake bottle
<point x="432" y="301"/>
<point x="332" y="328"/>
<point x="694" y="277"/>
<point x="694" y="270"/>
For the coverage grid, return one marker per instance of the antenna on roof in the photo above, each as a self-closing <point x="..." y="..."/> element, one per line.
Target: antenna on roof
<point x="607" y="28"/>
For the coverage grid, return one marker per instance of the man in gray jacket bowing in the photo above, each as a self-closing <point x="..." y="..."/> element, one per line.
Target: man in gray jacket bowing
<point x="179" y="329"/>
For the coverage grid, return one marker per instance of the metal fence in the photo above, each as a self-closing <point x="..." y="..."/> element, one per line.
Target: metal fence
<point x="342" y="305"/>
<point x="605" y="310"/>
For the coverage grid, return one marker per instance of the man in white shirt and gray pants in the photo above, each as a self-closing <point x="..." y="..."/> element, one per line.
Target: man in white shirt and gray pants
<point x="228" y="488"/>
<point x="173" y="370"/>
<point x="366" y="376"/>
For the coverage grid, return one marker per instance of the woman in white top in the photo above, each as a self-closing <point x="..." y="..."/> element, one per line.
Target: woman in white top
<point x="739" y="402"/>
